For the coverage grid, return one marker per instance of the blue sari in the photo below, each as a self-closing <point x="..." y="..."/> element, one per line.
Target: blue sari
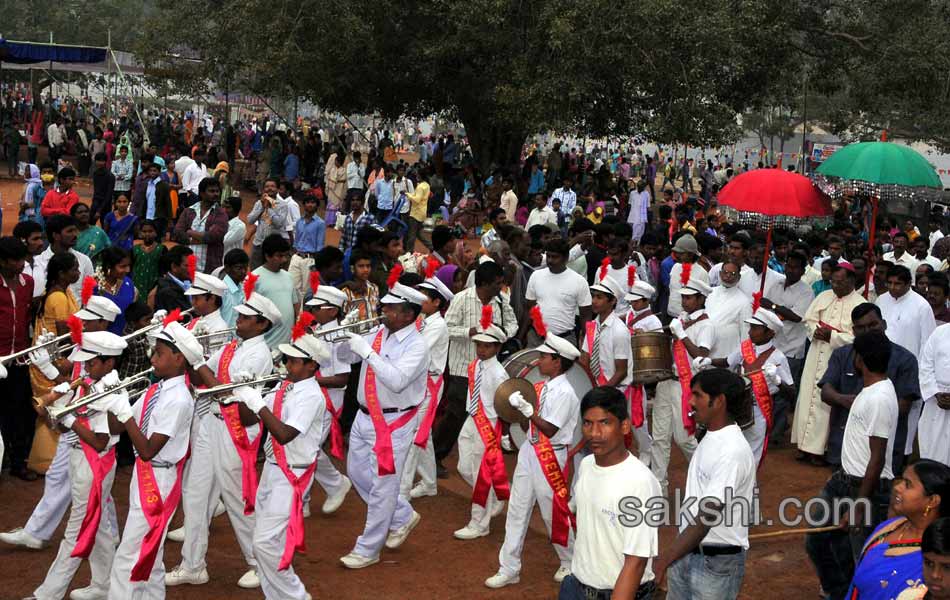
<point x="121" y="231"/>
<point x="123" y="297"/>
<point x="887" y="569"/>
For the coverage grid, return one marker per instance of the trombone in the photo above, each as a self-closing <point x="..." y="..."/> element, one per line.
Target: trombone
<point x="151" y="327"/>
<point x="363" y="326"/>
<point x="227" y="387"/>
<point x="212" y="334"/>
<point x="26" y="351"/>
<point x="57" y="412"/>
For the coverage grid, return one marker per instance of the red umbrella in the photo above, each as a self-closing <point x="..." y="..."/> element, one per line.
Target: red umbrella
<point x="767" y="197"/>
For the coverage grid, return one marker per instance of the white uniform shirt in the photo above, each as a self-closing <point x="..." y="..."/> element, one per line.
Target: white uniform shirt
<point x="559" y="296"/>
<point x="334" y="366"/>
<point x="648" y="323"/>
<point x="39" y="272"/>
<point x="750" y="281"/>
<point x="170" y="416"/>
<point x="723" y="460"/>
<point x="910" y="320"/>
<point x="493" y="375"/>
<point x="620" y="276"/>
<point x="303" y="412"/>
<point x="561" y="408"/>
<point x="728" y="308"/>
<point x="703" y="334"/>
<point x="614" y="342"/>
<point x="605" y="533"/>
<point x="252" y="356"/>
<point x="436" y="334"/>
<point x="778" y="359"/>
<point x="401" y="368"/>
<point x="796" y="298"/>
<point x="873" y="414"/>
<point x="213" y="323"/>
<point x="675" y="305"/>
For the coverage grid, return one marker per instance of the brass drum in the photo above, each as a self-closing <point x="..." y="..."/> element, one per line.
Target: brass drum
<point x="652" y="356"/>
<point x="746" y="417"/>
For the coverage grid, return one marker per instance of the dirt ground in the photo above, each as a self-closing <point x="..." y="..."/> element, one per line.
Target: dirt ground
<point x="432" y="564"/>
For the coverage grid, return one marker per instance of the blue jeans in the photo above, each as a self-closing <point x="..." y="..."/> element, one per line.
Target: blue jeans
<point x="701" y="577"/>
<point x="572" y="589"/>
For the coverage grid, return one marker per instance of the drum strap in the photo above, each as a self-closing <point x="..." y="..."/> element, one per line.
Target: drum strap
<point x="637" y="318"/>
<point x="752" y="367"/>
<point x="683" y="366"/>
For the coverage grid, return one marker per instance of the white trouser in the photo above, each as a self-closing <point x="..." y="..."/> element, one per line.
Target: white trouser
<point x="529" y="485"/>
<point x="136" y="526"/>
<point x="641" y="435"/>
<point x="272" y="515"/>
<point x="755" y="435"/>
<point x="667" y="425"/>
<point x="328" y="476"/>
<point x="299" y="270"/>
<point x="220" y="474"/>
<point x="421" y="460"/>
<point x="471" y="451"/>
<point x="933" y="427"/>
<point x="52" y="506"/>
<point x="64" y="566"/>
<point x="638" y="230"/>
<point x="386" y="509"/>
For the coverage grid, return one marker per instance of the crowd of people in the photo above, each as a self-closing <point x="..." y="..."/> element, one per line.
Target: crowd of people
<point x="431" y="278"/>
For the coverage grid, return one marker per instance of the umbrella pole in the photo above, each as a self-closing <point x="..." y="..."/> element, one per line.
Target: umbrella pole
<point x="872" y="233"/>
<point x="765" y="258"/>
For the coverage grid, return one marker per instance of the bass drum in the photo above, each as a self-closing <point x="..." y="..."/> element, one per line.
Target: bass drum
<point x="524" y="364"/>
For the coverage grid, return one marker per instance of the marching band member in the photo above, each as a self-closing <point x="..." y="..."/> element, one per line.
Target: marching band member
<point x="159" y="426"/>
<point x="227" y="446"/>
<point x="481" y="462"/>
<point x="91" y="472"/>
<point x="206" y="294"/>
<point x="392" y="382"/>
<point x="640" y="318"/>
<point x="97" y="315"/>
<point x="332" y="374"/>
<point x="767" y="369"/>
<point x="695" y="335"/>
<point x="296" y="427"/>
<point x="436" y="334"/>
<point x="539" y="475"/>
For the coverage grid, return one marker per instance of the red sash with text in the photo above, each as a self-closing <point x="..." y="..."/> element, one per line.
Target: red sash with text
<point x="336" y="431"/>
<point x="157" y="512"/>
<point x="491" y="472"/>
<point x="684" y="370"/>
<point x="635" y="392"/>
<point x="752" y="367"/>
<point x="383" y="448"/>
<point x="295" y="529"/>
<point x="246" y="449"/>
<point x="562" y="519"/>
<point x="100" y="467"/>
<point x="434" y="387"/>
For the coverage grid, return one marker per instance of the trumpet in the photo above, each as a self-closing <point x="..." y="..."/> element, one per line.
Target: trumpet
<point x="363" y="326"/>
<point x="151" y="327"/>
<point x="25" y="351"/>
<point x="40" y="402"/>
<point x="212" y="334"/>
<point x="58" y="412"/>
<point x="227" y="387"/>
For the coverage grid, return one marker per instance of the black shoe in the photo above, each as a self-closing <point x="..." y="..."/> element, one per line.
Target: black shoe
<point x="441" y="472"/>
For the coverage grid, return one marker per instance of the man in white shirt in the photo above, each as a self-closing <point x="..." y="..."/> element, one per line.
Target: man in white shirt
<point x="729" y="308"/>
<point x="566" y="195"/>
<point x="639" y="209"/>
<point x="615" y="543"/>
<point x="509" y="201"/>
<point x="941" y="227"/>
<point x="900" y="255"/>
<point x="640" y="319"/>
<point x="935" y="389"/>
<point x="865" y="472"/>
<point x="559" y="292"/>
<point x="541" y="214"/>
<point x="911" y="321"/>
<point x="355" y="171"/>
<point x="62" y="232"/>
<point x="193" y="175"/>
<point x="686" y="253"/>
<point x="539" y="475"/>
<point x="923" y="256"/>
<point x="237" y="228"/>
<point x="704" y="561"/>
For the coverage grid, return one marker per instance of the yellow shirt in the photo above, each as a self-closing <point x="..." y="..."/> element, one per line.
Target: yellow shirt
<point x="419" y="202"/>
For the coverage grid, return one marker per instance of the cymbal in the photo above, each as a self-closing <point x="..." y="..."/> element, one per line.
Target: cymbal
<point x="505" y="411"/>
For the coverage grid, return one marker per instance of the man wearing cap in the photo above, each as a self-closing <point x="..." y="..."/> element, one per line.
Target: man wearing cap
<point x="729" y="308"/>
<point x="640" y="319"/>
<point x="605" y="347"/>
<point x="91" y="471"/>
<point x="98" y="313"/>
<point x="695" y="335"/>
<point x="296" y="430"/>
<point x="685" y="253"/>
<point x="159" y="426"/>
<point x="332" y="374"/>
<point x="392" y="384"/>
<point x="436" y="334"/>
<point x="766" y="368"/>
<point x="539" y="474"/>
<point x="228" y="445"/>
<point x="481" y="463"/>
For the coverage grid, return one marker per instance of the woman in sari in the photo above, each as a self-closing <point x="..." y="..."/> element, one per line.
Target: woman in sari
<point x="92" y="239"/>
<point x="891" y="564"/>
<point x="120" y="224"/>
<point x="222" y="173"/>
<point x="29" y="210"/>
<point x="114" y="283"/>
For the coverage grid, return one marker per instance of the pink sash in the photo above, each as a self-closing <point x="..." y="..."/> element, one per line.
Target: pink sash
<point x="383" y="448"/>
<point x="562" y="519"/>
<point x="100" y="467"/>
<point x="246" y="450"/>
<point x="156" y="511"/>
<point x="752" y="367"/>
<point x="434" y="387"/>
<point x="295" y="529"/>
<point x="684" y="370"/>
<point x="491" y="472"/>
<point x="336" y="431"/>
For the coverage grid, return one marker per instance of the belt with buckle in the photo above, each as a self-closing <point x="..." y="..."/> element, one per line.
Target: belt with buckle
<point x="388" y="411"/>
<point x="716" y="550"/>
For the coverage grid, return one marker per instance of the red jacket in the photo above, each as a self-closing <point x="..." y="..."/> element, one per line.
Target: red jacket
<point x="58" y="203"/>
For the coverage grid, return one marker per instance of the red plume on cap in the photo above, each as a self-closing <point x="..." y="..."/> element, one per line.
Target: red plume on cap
<point x="249" y="282"/>
<point x="314" y="281"/>
<point x="75" y="329"/>
<point x="485" y="321"/>
<point x="756" y="301"/>
<point x="172" y="317"/>
<point x="300" y="327"/>
<point x="687" y="271"/>
<point x="432" y="263"/>
<point x="88" y="286"/>
<point x="394" y="274"/>
<point x="603" y="268"/>
<point x="631" y="275"/>
<point x="192" y="262"/>
<point x="538" y="321"/>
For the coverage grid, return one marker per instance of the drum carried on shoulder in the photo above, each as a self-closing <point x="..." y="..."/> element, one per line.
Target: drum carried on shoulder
<point x="652" y="356"/>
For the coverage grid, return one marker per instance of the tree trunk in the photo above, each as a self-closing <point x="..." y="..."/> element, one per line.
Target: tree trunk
<point x="493" y="145"/>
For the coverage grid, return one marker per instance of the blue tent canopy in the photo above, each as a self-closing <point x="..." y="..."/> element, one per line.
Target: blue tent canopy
<point x="25" y="53"/>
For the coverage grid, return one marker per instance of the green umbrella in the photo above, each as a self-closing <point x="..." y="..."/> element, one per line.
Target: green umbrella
<point x="881" y="163"/>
